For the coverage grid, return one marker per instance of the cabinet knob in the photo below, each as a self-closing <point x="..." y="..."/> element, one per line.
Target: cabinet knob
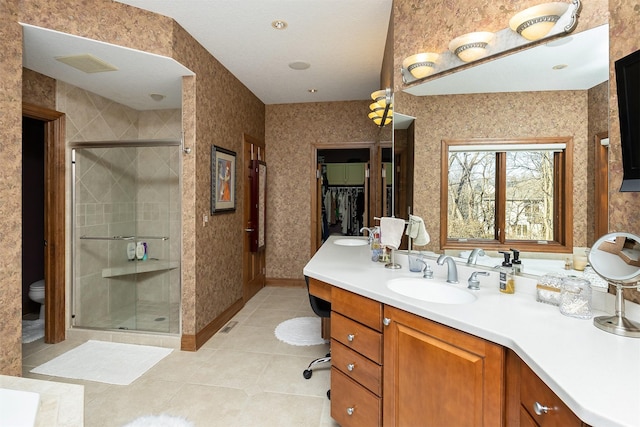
<point x="540" y="409"/>
<point x="386" y="321"/>
<point x="350" y="411"/>
<point x="350" y="337"/>
<point x="351" y="366"/>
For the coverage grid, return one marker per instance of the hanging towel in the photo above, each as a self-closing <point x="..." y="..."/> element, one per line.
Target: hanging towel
<point x="417" y="231"/>
<point x="391" y="230"/>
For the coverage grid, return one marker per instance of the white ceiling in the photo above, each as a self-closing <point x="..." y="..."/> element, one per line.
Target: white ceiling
<point x="342" y="40"/>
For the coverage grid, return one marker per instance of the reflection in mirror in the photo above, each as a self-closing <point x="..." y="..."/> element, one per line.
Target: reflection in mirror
<point x="616" y="258"/>
<point x="525" y="97"/>
<point x="403" y="165"/>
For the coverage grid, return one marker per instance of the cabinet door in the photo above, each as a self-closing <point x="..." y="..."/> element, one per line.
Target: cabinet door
<point x="335" y="173"/>
<point x="354" y="173"/>
<point x="438" y="376"/>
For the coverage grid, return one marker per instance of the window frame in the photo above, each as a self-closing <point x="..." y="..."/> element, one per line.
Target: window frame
<point x="563" y="198"/>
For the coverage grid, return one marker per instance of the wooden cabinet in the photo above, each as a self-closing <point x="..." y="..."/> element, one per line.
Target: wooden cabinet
<point x="346" y="173"/>
<point x="356" y="359"/>
<point x="438" y="376"/>
<point x="531" y="402"/>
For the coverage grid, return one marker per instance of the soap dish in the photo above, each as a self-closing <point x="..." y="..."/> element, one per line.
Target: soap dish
<point x="548" y="289"/>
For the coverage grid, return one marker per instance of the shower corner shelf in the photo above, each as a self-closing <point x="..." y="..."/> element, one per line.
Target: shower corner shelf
<point x="139" y="267"/>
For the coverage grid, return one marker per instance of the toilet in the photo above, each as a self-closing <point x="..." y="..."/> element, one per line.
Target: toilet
<point x="36" y="293"/>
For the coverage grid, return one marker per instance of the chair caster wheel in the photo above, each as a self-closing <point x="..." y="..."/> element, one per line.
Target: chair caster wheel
<point x="307" y="374"/>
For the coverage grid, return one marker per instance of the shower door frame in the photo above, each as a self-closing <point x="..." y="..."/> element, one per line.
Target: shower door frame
<point x="108" y="144"/>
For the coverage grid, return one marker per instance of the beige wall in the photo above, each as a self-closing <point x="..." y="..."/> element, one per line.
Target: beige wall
<point x="291" y="130"/>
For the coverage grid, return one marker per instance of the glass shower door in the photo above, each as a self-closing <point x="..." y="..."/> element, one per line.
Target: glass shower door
<point x="126" y="214"/>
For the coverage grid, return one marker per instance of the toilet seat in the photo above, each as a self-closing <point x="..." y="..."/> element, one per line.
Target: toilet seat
<point x="37" y="285"/>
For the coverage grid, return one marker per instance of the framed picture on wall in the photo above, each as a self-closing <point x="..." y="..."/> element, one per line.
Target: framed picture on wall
<point x="223" y="181"/>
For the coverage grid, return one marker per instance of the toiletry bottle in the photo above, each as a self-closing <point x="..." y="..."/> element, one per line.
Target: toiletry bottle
<point x="139" y="251"/>
<point x="131" y="251"/>
<point x="376" y="251"/>
<point x="507" y="280"/>
<point x="146" y="251"/>
<point x="517" y="262"/>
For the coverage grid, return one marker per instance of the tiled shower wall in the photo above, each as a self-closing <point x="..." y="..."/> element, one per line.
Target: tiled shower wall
<point x="123" y="191"/>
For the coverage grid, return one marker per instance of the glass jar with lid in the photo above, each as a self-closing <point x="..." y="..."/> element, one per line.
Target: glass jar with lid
<point x="575" y="297"/>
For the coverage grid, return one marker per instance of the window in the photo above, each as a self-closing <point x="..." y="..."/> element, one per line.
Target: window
<point x="498" y="194"/>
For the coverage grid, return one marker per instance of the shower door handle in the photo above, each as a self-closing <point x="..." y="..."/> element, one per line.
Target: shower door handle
<point x="249" y="230"/>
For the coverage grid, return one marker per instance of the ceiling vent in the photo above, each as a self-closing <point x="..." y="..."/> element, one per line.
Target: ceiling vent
<point x="87" y="63"/>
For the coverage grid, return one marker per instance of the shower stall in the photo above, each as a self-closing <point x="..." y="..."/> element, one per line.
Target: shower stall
<point x="126" y="235"/>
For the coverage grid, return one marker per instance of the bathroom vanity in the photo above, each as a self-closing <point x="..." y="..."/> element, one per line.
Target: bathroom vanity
<point x="498" y="360"/>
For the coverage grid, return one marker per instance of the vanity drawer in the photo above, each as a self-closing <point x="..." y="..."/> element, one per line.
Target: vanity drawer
<point x="357" y="337"/>
<point x="357" y="367"/>
<point x="359" y="308"/>
<point x="352" y="404"/>
<point x="532" y="390"/>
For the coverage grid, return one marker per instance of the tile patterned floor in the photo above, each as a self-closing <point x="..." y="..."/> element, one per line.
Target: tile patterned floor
<point x="245" y="377"/>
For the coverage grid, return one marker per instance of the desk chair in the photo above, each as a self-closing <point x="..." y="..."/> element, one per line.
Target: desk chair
<point x="323" y="309"/>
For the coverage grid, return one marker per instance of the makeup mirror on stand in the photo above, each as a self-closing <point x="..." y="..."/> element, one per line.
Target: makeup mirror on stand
<point x="616" y="258"/>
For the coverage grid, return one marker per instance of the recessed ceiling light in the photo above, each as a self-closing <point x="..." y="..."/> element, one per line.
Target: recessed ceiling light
<point x="279" y="24"/>
<point x="299" y="65"/>
<point x="157" y="96"/>
<point x="559" y="66"/>
<point x="313" y="90"/>
<point x="87" y="63"/>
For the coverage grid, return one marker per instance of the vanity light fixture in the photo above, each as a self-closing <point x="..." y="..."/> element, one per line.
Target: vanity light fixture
<point x="535" y="22"/>
<point x="420" y="65"/>
<point x="382" y="107"/>
<point x="471" y="46"/>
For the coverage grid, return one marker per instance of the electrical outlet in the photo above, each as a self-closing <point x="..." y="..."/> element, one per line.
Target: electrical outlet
<point x="205" y="220"/>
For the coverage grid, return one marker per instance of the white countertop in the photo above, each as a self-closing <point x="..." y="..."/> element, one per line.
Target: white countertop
<point x="596" y="373"/>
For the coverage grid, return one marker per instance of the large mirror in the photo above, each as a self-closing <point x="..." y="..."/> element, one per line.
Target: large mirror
<point x="546" y="91"/>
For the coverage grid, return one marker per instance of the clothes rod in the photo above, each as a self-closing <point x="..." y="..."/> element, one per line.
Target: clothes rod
<point x="127" y="143"/>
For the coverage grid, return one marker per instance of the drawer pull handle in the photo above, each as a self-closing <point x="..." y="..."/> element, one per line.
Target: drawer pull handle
<point x="350" y="411"/>
<point x="350" y="337"/>
<point x="540" y="409"/>
<point x="351" y="366"/>
<point x="386" y="321"/>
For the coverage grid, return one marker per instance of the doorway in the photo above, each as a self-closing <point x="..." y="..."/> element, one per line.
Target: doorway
<point x="344" y="189"/>
<point x="53" y="132"/>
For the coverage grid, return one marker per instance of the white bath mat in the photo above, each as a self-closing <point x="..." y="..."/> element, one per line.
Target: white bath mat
<point x="32" y="330"/>
<point x="300" y="331"/>
<point x="160" y="421"/>
<point x="105" y="362"/>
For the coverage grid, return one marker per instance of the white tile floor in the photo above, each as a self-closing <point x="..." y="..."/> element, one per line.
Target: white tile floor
<point x="245" y="377"/>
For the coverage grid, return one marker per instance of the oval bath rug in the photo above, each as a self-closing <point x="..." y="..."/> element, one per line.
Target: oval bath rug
<point x="300" y="331"/>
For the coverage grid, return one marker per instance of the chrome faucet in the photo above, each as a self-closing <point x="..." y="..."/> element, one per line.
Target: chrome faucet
<point x="473" y="257"/>
<point x="427" y="272"/>
<point x="452" y="269"/>
<point x="474" y="282"/>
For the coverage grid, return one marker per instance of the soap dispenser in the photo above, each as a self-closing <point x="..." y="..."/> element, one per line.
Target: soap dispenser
<point x="507" y="280"/>
<point x="517" y="262"/>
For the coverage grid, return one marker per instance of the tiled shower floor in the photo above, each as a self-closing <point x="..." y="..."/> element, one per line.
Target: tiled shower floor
<point x="245" y="377"/>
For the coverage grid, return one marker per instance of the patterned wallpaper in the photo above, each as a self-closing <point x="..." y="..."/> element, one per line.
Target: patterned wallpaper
<point x="291" y="129"/>
<point x="10" y="191"/>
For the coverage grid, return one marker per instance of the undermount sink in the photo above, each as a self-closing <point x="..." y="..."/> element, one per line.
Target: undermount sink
<point x="428" y="290"/>
<point x="351" y="242"/>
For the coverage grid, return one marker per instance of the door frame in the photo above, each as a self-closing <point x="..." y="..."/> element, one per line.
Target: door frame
<point x="601" y="191"/>
<point x="54" y="222"/>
